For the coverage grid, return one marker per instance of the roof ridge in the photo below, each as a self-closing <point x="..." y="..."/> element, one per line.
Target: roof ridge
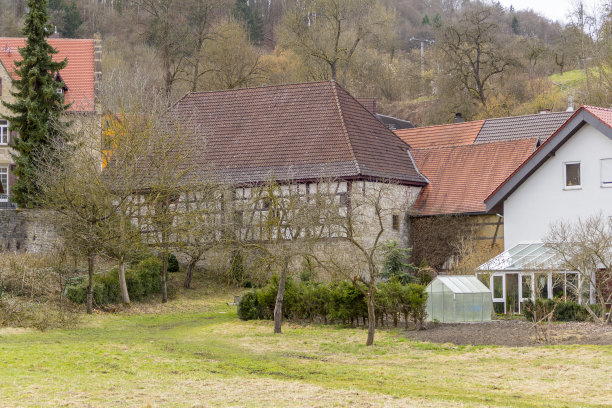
<point x="437" y="126"/>
<point x="257" y="87"/>
<point x="334" y="91"/>
<point x="527" y="115"/>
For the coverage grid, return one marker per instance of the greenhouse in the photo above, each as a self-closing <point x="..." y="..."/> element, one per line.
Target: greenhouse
<point x="455" y="299"/>
<point x="530" y="271"/>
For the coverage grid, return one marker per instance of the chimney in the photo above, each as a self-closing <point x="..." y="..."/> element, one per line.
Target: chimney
<point x="97" y="68"/>
<point x="55" y="33"/>
<point x="459" y="118"/>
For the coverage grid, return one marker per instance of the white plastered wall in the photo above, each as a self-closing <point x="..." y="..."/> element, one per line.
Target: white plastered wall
<point x="543" y="199"/>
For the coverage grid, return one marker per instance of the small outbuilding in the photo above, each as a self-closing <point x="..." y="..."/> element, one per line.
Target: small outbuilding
<point x="456" y="299"/>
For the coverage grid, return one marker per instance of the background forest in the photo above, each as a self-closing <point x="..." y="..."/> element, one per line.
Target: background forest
<point x="423" y="60"/>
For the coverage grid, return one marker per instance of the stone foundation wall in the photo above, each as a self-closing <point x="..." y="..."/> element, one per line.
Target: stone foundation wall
<point x="28" y="231"/>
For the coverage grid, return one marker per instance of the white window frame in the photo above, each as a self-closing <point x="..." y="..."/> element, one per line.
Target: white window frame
<point x="4" y="132"/>
<point x="604" y="184"/>
<point x="578" y="186"/>
<point x="4" y="197"/>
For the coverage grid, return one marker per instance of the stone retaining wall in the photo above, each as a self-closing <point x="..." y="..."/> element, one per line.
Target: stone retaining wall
<point x="30" y="231"/>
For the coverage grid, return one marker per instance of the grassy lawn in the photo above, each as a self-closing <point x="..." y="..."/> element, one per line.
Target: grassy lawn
<point x="195" y="352"/>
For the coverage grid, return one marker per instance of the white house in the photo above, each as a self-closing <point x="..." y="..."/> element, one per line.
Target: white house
<point x="568" y="177"/>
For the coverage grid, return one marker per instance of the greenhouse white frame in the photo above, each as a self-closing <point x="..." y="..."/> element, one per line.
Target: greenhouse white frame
<point x="456" y="299"/>
<point x="512" y="276"/>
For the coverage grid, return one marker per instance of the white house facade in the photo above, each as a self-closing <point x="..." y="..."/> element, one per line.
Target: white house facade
<point x="575" y="182"/>
<point x="567" y="178"/>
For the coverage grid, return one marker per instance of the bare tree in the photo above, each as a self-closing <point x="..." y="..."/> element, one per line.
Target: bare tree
<point x="472" y="52"/>
<point x="585" y="246"/>
<point x="72" y="185"/>
<point x="330" y="31"/>
<point x="364" y="226"/>
<point x="168" y="32"/>
<point x="279" y="222"/>
<point x="201" y="224"/>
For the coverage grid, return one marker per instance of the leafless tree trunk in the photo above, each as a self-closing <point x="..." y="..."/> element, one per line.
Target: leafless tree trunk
<point x="90" y="272"/>
<point x="278" y="306"/>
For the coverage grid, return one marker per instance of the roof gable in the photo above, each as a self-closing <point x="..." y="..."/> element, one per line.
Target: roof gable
<point x="78" y="75"/>
<point x="599" y="118"/>
<point x="461" y="177"/>
<point x="296" y="131"/>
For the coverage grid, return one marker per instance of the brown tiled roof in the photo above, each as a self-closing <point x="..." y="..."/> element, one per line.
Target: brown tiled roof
<point x="541" y="126"/>
<point x="78" y="76"/>
<point x="297" y="131"/>
<point x="442" y="135"/>
<point x="461" y="177"/>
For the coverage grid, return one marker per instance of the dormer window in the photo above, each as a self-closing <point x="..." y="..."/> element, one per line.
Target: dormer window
<point x="63" y="89"/>
<point x="572" y="175"/>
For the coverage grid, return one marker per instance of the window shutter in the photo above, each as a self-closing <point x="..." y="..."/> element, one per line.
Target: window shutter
<point x="606" y="172"/>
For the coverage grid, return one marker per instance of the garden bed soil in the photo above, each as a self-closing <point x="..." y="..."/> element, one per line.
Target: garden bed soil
<point x="514" y="333"/>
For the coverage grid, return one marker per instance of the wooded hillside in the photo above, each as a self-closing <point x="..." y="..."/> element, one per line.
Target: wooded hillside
<point x="478" y="58"/>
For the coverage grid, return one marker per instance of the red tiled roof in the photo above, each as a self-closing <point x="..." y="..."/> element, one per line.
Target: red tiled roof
<point x="443" y="135"/>
<point x="297" y="131"/>
<point x="461" y="177"/>
<point x="78" y="74"/>
<point x="602" y="114"/>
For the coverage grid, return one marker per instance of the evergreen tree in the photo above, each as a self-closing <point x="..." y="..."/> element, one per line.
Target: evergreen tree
<point x="254" y="24"/>
<point x="72" y="20"/>
<point x="516" y="29"/>
<point x="38" y="106"/>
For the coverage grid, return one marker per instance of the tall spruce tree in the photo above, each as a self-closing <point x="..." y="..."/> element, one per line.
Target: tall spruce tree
<point x="38" y="105"/>
<point x="243" y="12"/>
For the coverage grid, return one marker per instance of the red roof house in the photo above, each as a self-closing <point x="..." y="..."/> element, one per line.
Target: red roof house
<point x="79" y="75"/>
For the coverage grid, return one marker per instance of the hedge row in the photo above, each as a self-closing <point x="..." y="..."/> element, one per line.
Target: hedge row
<point x="339" y="302"/>
<point x="565" y="311"/>
<point x="143" y="279"/>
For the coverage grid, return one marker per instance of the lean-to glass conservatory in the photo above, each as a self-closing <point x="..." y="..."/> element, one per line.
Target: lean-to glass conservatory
<point x="527" y="271"/>
<point x="454" y="299"/>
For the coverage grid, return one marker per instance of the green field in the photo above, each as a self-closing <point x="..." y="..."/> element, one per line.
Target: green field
<point x="196" y="353"/>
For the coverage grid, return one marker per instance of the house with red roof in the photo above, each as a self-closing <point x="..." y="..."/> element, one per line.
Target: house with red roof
<point x="569" y="177"/>
<point x="81" y="76"/>
<point x="464" y="162"/>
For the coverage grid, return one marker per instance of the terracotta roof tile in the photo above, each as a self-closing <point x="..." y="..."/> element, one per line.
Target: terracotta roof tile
<point x="461" y="177"/>
<point x="444" y="135"/>
<point x="78" y="74"/>
<point x="297" y="131"/>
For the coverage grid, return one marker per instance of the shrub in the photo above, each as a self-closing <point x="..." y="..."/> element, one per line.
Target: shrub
<point x="340" y="301"/>
<point x="142" y="280"/>
<point x="173" y="263"/>
<point x="346" y="302"/>
<point x="248" y="308"/>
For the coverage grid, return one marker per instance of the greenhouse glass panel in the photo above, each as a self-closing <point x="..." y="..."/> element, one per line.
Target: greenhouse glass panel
<point x="458" y="299"/>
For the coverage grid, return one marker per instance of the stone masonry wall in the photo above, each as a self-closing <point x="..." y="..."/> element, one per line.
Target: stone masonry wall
<point x="30" y="231"/>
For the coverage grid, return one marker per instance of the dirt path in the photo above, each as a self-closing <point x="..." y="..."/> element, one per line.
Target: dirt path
<point x="514" y="333"/>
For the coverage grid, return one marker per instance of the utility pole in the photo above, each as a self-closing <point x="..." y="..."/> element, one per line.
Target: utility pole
<point x="423" y="41"/>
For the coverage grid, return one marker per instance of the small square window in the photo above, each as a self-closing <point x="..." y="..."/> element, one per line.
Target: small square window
<point x="395" y="222"/>
<point x="606" y="172"/>
<point x="572" y="175"/>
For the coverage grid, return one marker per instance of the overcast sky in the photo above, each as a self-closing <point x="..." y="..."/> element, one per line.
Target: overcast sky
<point x="556" y="10"/>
